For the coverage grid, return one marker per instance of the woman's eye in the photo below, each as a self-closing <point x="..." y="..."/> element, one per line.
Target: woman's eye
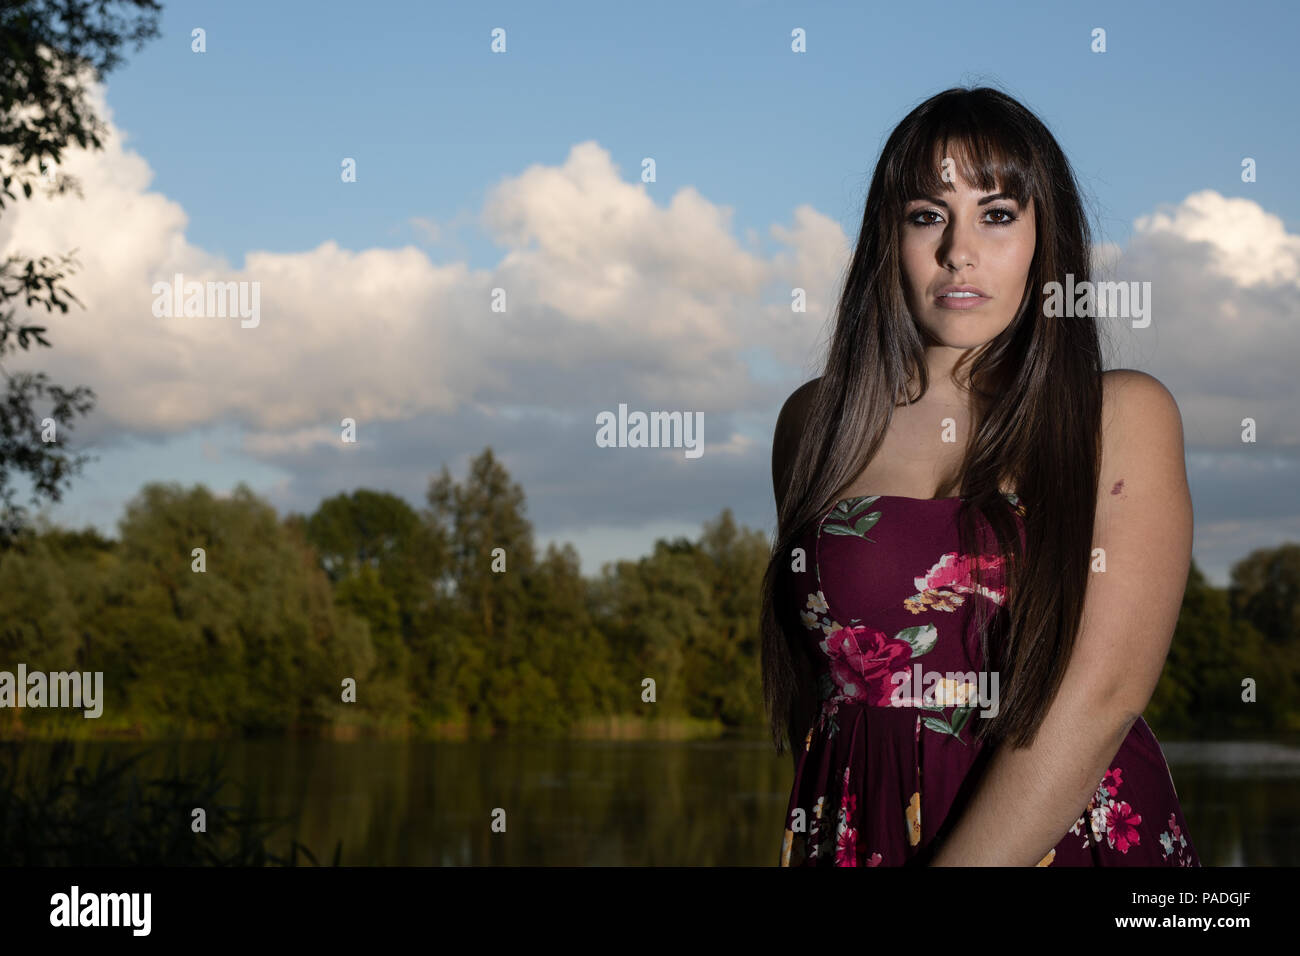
<point x="1007" y="217"/>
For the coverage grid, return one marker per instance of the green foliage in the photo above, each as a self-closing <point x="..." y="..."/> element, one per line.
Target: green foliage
<point x="450" y="622"/>
<point x="1265" y="590"/>
<point x="385" y="562"/>
<point x="1212" y="652"/>
<point x="49" y="50"/>
<point x="252" y="643"/>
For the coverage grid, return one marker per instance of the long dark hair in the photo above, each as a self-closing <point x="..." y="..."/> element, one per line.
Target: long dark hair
<point x="1035" y="398"/>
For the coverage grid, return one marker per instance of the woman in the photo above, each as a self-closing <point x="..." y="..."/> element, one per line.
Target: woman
<point x="983" y="540"/>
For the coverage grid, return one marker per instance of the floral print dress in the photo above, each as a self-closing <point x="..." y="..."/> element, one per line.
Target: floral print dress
<point x="887" y="605"/>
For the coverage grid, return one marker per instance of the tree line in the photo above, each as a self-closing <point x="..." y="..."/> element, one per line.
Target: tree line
<point x="211" y="615"/>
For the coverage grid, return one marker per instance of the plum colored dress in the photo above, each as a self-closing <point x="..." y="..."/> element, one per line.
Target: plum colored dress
<point x="889" y="762"/>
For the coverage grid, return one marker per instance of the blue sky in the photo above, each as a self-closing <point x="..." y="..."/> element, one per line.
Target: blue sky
<point x="246" y="140"/>
<point x="711" y="90"/>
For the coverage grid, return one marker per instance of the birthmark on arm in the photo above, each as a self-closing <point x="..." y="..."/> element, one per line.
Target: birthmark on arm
<point x="1118" y="489"/>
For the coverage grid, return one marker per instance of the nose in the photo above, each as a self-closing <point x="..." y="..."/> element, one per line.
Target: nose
<point x="958" y="248"/>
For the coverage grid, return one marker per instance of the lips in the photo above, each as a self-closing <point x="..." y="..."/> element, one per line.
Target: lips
<point x="961" y="291"/>
<point x="960" y="297"/>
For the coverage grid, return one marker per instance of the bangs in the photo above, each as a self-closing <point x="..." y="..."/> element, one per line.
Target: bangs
<point x="990" y="156"/>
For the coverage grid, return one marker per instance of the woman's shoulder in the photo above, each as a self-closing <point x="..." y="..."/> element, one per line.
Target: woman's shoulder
<point x="789" y="428"/>
<point x="802" y="395"/>
<point x="1128" y="380"/>
<point x="1133" y="399"/>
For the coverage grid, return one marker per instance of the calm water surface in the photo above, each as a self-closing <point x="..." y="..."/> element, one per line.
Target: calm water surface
<point x="635" y="803"/>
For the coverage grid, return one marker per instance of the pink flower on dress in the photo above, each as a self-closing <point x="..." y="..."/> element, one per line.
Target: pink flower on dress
<point x="1102" y="814"/>
<point x="874" y="860"/>
<point x="846" y="846"/>
<point x="862" y="661"/>
<point x="846" y="835"/>
<point x="1121" y="826"/>
<point x="941" y="587"/>
<point x="1110" y="783"/>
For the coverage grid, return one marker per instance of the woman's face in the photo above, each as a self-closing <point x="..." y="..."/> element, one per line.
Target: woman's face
<point x="982" y="241"/>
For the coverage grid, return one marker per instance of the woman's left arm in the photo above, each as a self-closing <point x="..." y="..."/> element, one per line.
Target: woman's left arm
<point x="1030" y="797"/>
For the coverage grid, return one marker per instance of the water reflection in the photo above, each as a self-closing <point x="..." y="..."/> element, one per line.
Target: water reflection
<point x="635" y="803"/>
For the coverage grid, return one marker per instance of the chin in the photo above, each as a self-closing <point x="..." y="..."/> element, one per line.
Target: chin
<point x="962" y="334"/>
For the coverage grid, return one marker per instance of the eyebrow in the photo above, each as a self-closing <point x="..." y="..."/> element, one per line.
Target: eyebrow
<point x="987" y="199"/>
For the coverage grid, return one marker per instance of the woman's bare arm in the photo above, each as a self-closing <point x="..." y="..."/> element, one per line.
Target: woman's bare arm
<point x="1029" y="798"/>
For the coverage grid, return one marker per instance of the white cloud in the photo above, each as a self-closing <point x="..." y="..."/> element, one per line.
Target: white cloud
<point x="607" y="293"/>
<point x="1246" y="244"/>
<point x="1225" y="326"/>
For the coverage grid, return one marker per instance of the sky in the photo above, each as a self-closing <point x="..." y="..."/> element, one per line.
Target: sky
<point x="480" y="168"/>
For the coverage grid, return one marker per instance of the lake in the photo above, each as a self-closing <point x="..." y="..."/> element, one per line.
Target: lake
<point x="637" y="803"/>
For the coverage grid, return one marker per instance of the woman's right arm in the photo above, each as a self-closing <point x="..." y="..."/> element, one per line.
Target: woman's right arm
<point x="785" y="445"/>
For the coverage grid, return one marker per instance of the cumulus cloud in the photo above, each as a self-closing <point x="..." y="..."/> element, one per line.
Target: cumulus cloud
<point x="606" y="294"/>
<point x="1244" y="243"/>
<point x="1225" y="326"/>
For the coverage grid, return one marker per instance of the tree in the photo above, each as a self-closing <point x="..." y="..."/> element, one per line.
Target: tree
<point x="252" y="639"/>
<point x="385" y="563"/>
<point x="660" y="607"/>
<point x="379" y="530"/>
<point x="725" y="670"/>
<point x="49" y="52"/>
<point x="1265" y="590"/>
<point x="483" y="643"/>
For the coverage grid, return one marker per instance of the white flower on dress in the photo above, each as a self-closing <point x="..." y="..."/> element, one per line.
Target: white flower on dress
<point x="1098" y="821"/>
<point x="949" y="693"/>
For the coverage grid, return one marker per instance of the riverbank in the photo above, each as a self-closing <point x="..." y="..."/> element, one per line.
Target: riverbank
<point x="614" y="727"/>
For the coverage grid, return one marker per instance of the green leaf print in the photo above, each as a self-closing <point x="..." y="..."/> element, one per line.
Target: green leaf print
<point x="922" y="638"/>
<point x="848" y="518"/>
<point x="853" y="506"/>
<point x="939" y="725"/>
<point x="959" y="718"/>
